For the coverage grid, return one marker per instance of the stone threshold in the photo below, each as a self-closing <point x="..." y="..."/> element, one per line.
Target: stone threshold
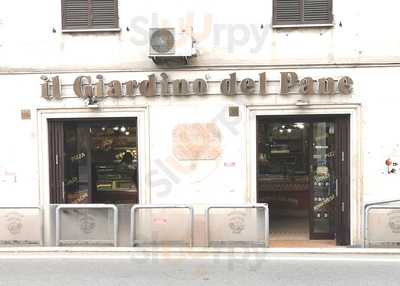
<point x="198" y="250"/>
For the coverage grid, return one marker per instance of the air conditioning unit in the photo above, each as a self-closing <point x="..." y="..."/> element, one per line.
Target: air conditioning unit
<point x="171" y="45"/>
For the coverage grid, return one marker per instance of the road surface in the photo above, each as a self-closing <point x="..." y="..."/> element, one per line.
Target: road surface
<point x="198" y="269"/>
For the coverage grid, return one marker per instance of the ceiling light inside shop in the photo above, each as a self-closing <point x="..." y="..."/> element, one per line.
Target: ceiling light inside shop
<point x="116" y="128"/>
<point x="127" y="133"/>
<point x="123" y="129"/>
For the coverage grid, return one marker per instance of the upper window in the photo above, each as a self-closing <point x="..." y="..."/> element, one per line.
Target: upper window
<point x="302" y="12"/>
<point x="89" y="14"/>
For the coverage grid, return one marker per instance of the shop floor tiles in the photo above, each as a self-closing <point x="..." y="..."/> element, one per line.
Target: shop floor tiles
<point x="289" y="228"/>
<point x="303" y="244"/>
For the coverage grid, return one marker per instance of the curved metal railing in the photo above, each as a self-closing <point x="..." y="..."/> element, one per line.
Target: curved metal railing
<point x="389" y="230"/>
<point x="232" y="229"/>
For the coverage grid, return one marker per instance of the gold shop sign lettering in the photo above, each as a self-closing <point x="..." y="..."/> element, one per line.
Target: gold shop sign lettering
<point x="85" y="87"/>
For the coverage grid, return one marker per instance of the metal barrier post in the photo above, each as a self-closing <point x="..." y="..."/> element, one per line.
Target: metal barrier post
<point x="137" y="207"/>
<point x="41" y="242"/>
<point x="87" y="206"/>
<point x="262" y="206"/>
<point x="266" y="213"/>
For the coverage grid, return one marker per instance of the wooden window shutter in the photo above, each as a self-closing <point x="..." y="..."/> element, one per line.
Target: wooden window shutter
<point x="317" y="11"/>
<point x="75" y="14"/>
<point x="89" y="14"/>
<point x="104" y="14"/>
<point x="287" y="12"/>
<point x="297" y="12"/>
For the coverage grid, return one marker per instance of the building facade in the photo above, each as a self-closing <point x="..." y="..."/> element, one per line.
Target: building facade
<point x="292" y="105"/>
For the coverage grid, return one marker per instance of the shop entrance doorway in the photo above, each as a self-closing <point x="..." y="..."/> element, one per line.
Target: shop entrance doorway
<point x="303" y="173"/>
<point x="93" y="161"/>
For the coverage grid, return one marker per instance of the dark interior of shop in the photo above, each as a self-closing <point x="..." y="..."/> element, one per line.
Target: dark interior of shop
<point x="296" y="177"/>
<point x="100" y="161"/>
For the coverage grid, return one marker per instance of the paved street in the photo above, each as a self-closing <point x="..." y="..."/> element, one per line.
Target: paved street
<point x="196" y="269"/>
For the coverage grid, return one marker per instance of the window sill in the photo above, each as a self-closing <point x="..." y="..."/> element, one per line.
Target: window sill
<point x="115" y="30"/>
<point x="303" y="26"/>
